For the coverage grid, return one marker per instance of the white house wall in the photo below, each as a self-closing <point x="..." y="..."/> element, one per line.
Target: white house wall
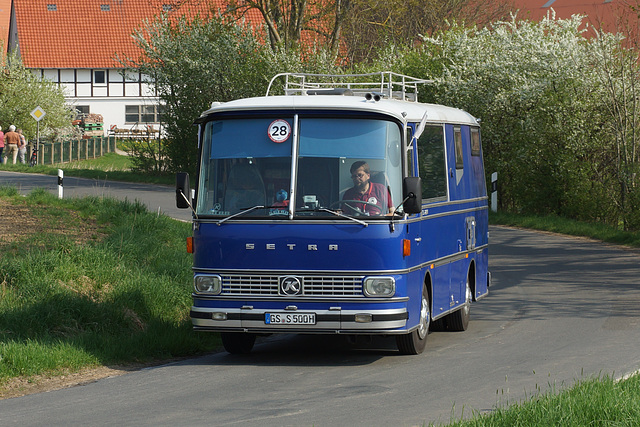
<point x="113" y="109"/>
<point x="108" y="99"/>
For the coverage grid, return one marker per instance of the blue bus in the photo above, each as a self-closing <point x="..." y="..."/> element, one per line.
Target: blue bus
<point x="342" y="205"/>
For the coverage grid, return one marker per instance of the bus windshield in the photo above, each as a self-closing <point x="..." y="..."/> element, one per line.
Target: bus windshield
<point x="347" y="166"/>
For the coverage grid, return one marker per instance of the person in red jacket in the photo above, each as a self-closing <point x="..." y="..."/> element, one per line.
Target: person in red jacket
<point x="377" y="197"/>
<point x="1" y="145"/>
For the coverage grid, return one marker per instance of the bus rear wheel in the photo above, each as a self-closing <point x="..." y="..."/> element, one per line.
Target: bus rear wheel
<point x="459" y="320"/>
<point x="238" y="342"/>
<point x="415" y="341"/>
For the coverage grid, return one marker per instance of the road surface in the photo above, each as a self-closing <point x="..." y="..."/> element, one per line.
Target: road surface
<point x="155" y="197"/>
<point x="560" y="309"/>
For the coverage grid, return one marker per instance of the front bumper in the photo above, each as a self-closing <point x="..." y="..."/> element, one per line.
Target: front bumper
<point x="333" y="320"/>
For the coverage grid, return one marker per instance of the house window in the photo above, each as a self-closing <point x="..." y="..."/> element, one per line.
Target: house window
<point x="81" y="110"/>
<point x="52" y="7"/>
<point x="142" y="114"/>
<point x="99" y="77"/>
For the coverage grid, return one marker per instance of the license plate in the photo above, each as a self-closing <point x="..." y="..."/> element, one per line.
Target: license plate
<point x="290" y="318"/>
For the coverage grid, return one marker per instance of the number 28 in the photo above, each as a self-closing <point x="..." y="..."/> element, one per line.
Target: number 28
<point x="280" y="131"/>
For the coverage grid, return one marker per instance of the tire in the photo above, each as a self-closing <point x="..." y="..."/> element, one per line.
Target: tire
<point x="415" y="341"/>
<point x="238" y="342"/>
<point x="459" y="320"/>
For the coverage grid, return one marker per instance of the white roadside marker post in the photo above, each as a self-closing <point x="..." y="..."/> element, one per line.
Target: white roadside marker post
<point x="494" y="192"/>
<point x="60" y="186"/>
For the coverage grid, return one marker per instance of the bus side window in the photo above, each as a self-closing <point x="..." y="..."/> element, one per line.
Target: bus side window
<point x="432" y="163"/>
<point x="410" y="146"/>
<point x="475" y="141"/>
<point x="457" y="140"/>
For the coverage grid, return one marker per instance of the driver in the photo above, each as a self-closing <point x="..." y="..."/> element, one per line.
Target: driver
<point x="376" y="195"/>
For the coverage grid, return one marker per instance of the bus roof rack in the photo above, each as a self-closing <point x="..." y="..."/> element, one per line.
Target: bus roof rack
<point x="385" y="84"/>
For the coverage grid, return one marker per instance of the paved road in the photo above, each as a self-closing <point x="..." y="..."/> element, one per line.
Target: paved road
<point x="560" y="309"/>
<point x="155" y="197"/>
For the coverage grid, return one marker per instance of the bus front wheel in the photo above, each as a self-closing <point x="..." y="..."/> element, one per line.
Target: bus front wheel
<point x="415" y="341"/>
<point x="238" y="342"/>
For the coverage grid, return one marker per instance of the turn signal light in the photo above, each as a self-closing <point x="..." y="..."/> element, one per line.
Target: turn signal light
<point x="219" y="316"/>
<point x="189" y="245"/>
<point x="406" y="247"/>
<point x="364" y="318"/>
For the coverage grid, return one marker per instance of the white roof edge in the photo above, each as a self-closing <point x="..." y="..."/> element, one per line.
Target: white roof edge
<point x="404" y="111"/>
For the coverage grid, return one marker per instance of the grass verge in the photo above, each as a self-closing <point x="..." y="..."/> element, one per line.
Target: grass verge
<point x="111" y="166"/>
<point x="569" y="227"/>
<point x="91" y="282"/>
<point x="594" y="402"/>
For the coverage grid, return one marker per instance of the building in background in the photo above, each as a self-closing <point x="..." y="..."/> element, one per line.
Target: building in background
<point x="609" y="15"/>
<point x="5" y="14"/>
<point x="76" y="43"/>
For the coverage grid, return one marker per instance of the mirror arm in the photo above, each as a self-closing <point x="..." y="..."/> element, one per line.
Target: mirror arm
<point x="186" y="199"/>
<point x="411" y="195"/>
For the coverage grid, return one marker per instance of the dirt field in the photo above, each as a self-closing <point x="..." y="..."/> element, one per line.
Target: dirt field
<point x="23" y="386"/>
<point x="17" y="221"/>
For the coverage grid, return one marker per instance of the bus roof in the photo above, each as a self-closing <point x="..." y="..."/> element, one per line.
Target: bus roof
<point x="383" y="93"/>
<point x="401" y="110"/>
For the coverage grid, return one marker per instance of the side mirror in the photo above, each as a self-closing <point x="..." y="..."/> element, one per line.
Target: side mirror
<point x="183" y="190"/>
<point x="412" y="195"/>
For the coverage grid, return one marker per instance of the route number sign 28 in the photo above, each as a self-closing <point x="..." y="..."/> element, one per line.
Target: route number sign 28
<point x="279" y="131"/>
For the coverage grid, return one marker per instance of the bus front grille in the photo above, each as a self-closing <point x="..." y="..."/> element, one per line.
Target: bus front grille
<point x="312" y="286"/>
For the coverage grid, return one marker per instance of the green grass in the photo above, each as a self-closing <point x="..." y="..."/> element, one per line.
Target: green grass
<point x="111" y="166"/>
<point x="113" y="288"/>
<point x="108" y="163"/>
<point x="570" y="227"/>
<point x="594" y="402"/>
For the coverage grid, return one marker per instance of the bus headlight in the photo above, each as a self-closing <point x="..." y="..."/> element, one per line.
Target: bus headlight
<point x="208" y="284"/>
<point x="379" y="286"/>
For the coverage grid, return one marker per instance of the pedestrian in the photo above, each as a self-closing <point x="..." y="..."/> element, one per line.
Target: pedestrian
<point x="1" y="145"/>
<point x="22" y="147"/>
<point x="11" y="141"/>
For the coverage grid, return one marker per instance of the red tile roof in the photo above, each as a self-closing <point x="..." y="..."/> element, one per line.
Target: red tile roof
<point x="80" y="34"/>
<point x="5" y="15"/>
<point x="608" y="14"/>
<point x="88" y="33"/>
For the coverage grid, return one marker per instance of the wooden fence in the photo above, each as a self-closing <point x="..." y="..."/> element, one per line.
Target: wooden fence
<point x="78" y="149"/>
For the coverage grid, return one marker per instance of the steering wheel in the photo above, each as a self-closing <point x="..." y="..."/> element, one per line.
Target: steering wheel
<point x="355" y="209"/>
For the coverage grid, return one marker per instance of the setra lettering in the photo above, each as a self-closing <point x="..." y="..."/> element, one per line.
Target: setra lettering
<point x="291" y="246"/>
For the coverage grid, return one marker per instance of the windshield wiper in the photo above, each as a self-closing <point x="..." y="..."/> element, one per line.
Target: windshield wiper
<point x="303" y="210"/>
<point x="336" y="213"/>
<point x="241" y="213"/>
